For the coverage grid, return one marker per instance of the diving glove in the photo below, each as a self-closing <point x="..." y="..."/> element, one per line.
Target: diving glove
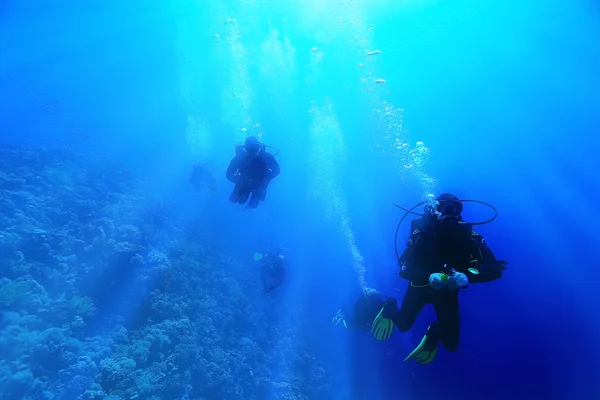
<point x="441" y="281"/>
<point x="457" y="281"/>
<point x="426" y="351"/>
<point x="438" y="281"/>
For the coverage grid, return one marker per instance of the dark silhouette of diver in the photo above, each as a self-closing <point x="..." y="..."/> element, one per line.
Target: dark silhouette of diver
<point x="202" y="178"/>
<point x="272" y="268"/>
<point x="251" y="170"/>
<point x="443" y="254"/>
<point x="366" y="308"/>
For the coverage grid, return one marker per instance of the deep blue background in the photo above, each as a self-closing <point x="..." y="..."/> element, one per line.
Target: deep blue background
<point x="504" y="94"/>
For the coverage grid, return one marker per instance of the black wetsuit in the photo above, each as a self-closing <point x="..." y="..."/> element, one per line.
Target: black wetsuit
<point x="426" y="253"/>
<point x="272" y="271"/>
<point x="251" y="175"/>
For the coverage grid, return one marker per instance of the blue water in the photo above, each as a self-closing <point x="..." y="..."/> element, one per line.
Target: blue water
<point x="370" y="103"/>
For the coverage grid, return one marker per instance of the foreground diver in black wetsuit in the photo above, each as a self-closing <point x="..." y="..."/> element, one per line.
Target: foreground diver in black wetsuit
<point x="252" y="169"/>
<point x="443" y="255"/>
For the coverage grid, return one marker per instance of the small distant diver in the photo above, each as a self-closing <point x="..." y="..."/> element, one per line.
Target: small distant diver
<point x="443" y="254"/>
<point x="251" y="170"/>
<point x="273" y="266"/>
<point x="202" y="178"/>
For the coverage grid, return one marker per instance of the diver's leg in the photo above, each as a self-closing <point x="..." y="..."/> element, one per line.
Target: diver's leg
<point x="427" y="349"/>
<point x="234" y="196"/>
<point x="277" y="278"/>
<point x="412" y="304"/>
<point x="448" y="315"/>
<point x="269" y="284"/>
<point x="254" y="199"/>
<point x="243" y="197"/>
<point x="262" y="192"/>
<point x="240" y="194"/>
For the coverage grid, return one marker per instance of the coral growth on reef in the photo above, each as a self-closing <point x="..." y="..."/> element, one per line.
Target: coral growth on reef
<point x="104" y="294"/>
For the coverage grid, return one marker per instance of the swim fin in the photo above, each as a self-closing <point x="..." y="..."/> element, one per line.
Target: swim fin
<point x="426" y="351"/>
<point x="382" y="328"/>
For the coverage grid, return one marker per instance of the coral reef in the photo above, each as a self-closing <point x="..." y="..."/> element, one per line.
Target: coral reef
<point x="105" y="295"/>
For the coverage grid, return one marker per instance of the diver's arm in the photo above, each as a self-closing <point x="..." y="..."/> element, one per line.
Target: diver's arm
<point x="273" y="166"/>
<point x="409" y="261"/>
<point x="487" y="268"/>
<point x="232" y="168"/>
<point x="417" y="276"/>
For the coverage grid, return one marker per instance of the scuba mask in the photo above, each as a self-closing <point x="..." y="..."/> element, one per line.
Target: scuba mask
<point x="447" y="212"/>
<point x="449" y="208"/>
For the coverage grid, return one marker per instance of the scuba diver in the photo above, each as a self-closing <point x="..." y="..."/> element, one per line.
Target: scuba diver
<point x="251" y="170"/>
<point x="272" y="268"/>
<point x="203" y="178"/>
<point x="443" y="255"/>
<point x="367" y="308"/>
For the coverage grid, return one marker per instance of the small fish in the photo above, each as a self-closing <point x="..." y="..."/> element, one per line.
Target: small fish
<point x="361" y="65"/>
<point x="380" y="81"/>
<point x="372" y="53"/>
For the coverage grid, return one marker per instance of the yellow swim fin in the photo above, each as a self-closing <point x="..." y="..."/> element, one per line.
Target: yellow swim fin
<point x="382" y="328"/>
<point x="425" y="351"/>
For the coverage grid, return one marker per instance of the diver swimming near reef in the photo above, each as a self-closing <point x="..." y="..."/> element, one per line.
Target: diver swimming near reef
<point x="443" y="255"/>
<point x="251" y="170"/>
<point x="202" y="178"/>
<point x="273" y="266"/>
